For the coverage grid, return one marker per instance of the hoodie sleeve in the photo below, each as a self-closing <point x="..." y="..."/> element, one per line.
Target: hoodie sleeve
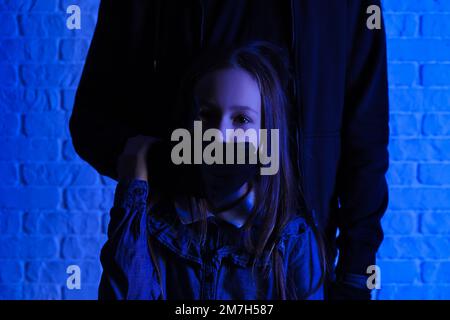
<point x="105" y="113"/>
<point x="128" y="270"/>
<point x="361" y="184"/>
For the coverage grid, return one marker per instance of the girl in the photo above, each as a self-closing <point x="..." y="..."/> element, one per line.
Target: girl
<point x="220" y="232"/>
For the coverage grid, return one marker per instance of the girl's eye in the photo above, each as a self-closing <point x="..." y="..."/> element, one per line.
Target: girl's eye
<point x="242" y="119"/>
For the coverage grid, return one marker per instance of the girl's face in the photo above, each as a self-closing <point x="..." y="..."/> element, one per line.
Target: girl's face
<point x="229" y="99"/>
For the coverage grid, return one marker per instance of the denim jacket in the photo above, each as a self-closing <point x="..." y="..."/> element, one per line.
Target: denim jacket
<point x="219" y="270"/>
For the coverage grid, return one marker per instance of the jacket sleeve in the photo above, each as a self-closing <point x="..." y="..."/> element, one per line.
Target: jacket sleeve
<point x="98" y="125"/>
<point x="361" y="186"/>
<point x="128" y="270"/>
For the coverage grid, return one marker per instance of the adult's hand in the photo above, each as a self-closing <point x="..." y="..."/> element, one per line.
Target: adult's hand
<point x="132" y="163"/>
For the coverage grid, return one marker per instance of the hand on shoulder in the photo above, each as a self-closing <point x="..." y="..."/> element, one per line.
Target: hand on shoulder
<point x="132" y="163"/>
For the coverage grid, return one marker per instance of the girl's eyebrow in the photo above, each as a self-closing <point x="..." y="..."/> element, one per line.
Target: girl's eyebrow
<point x="212" y="105"/>
<point x="244" y="108"/>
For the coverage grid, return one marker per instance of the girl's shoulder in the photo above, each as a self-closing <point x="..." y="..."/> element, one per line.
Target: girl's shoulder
<point x="297" y="233"/>
<point x="299" y="243"/>
<point x="297" y="226"/>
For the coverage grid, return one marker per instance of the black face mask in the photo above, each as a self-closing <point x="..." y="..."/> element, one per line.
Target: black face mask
<point x="214" y="181"/>
<point x="222" y="180"/>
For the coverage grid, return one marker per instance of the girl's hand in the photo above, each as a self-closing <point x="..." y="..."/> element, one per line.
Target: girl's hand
<point x="132" y="163"/>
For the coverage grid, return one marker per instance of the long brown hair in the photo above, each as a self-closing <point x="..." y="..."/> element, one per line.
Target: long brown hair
<point x="277" y="197"/>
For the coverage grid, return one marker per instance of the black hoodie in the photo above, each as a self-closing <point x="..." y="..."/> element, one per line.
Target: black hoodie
<point x="141" y="48"/>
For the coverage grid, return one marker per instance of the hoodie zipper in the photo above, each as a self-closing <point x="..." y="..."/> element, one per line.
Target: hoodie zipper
<point x="299" y="131"/>
<point x="156" y="34"/>
<point x="202" y="22"/>
<point x="293" y="46"/>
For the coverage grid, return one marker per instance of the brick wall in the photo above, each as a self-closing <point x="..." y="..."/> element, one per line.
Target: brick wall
<point x="415" y="255"/>
<point x="53" y="206"/>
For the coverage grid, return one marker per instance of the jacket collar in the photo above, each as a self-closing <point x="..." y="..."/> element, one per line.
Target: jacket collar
<point x="237" y="215"/>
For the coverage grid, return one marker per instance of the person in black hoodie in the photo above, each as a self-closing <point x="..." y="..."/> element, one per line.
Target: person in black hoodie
<point x="141" y="49"/>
